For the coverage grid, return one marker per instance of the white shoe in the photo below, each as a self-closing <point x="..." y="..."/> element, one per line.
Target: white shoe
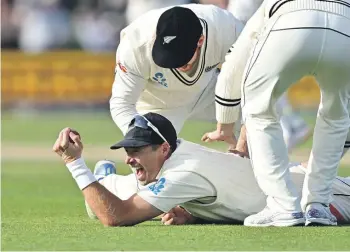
<point x="103" y="168"/>
<point x="267" y="218"/>
<point x="298" y="136"/>
<point x="319" y="215"/>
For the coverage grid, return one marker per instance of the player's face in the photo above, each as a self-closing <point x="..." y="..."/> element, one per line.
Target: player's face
<point x="195" y="56"/>
<point x="190" y="64"/>
<point x="146" y="162"/>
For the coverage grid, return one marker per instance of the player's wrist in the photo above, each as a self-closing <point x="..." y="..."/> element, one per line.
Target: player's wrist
<point x="225" y="129"/>
<point x="68" y="159"/>
<point x="81" y="173"/>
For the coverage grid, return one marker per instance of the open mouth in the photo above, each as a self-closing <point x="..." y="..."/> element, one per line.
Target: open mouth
<point x="140" y="173"/>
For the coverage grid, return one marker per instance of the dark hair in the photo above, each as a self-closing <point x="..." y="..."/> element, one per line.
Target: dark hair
<point x="156" y="146"/>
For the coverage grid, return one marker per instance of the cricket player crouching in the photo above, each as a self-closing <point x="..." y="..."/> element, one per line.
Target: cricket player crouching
<point x="167" y="63"/>
<point x="186" y="181"/>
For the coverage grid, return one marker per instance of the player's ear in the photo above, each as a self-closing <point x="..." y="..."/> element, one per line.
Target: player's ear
<point x="201" y="40"/>
<point x="165" y="149"/>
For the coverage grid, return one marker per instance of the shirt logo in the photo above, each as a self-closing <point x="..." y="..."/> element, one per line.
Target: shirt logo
<point x="121" y="67"/>
<point x="209" y="68"/>
<point x="159" y="77"/>
<point x="168" y="39"/>
<point x="158" y="186"/>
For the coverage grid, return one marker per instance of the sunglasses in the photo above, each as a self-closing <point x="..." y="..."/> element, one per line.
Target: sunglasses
<point x="142" y="122"/>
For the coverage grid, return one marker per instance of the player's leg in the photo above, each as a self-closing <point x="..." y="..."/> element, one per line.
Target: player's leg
<point x="332" y="123"/>
<point x="104" y="168"/>
<point x="269" y="77"/>
<point x="340" y="206"/>
<point x="347" y="143"/>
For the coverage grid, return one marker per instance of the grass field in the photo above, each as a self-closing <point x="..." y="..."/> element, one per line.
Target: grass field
<point x="42" y="208"/>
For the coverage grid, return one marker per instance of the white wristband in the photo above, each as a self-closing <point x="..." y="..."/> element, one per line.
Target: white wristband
<point x="81" y="173"/>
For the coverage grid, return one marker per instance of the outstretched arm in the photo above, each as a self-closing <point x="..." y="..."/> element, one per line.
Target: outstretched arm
<point x="109" y="209"/>
<point x="112" y="211"/>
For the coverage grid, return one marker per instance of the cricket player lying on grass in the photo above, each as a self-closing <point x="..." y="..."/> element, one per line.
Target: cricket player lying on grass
<point x="211" y="186"/>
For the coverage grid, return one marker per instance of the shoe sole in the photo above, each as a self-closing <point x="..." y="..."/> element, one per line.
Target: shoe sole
<point x="319" y="222"/>
<point x="285" y="223"/>
<point x="102" y="176"/>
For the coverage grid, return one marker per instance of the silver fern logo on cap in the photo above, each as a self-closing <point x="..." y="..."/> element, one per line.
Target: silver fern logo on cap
<point x="168" y="39"/>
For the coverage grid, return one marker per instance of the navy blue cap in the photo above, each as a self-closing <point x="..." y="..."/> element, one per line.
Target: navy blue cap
<point x="177" y="35"/>
<point x="142" y="136"/>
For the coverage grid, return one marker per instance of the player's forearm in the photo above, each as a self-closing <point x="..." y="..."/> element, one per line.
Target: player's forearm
<point x="126" y="90"/>
<point x="108" y="208"/>
<point x="122" y="113"/>
<point x="227" y="95"/>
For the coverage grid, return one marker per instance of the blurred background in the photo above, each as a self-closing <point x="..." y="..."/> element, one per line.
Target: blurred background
<point x="54" y="51"/>
<point x="57" y="70"/>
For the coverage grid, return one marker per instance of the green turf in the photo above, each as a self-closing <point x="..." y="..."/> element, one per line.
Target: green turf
<point x="42" y="209"/>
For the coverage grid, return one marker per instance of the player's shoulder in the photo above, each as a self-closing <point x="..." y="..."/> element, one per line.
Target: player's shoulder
<point x="184" y="154"/>
<point x="204" y="9"/>
<point x="209" y="12"/>
<point x="217" y="21"/>
<point x="142" y="30"/>
<point x="244" y="9"/>
<point x="188" y="156"/>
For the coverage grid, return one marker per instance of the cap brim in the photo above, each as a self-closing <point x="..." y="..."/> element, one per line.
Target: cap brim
<point x="129" y="143"/>
<point x="171" y="58"/>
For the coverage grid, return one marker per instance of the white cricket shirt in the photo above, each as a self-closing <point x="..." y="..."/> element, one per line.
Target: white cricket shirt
<point x="243" y="10"/>
<point x="140" y="85"/>
<point x="209" y="184"/>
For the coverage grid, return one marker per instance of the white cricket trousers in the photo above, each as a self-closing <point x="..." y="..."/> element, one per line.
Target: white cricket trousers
<point x="292" y="45"/>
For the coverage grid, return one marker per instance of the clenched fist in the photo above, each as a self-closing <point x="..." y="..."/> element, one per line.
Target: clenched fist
<point x="177" y="216"/>
<point x="68" y="145"/>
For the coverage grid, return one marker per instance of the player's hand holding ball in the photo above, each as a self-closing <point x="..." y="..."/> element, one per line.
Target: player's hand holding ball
<point x="68" y="145"/>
